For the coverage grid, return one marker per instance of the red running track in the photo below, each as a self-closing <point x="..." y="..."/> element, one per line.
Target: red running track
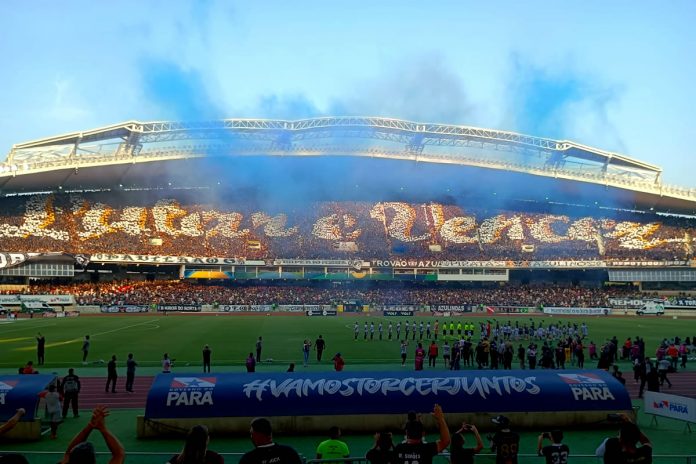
<point x="92" y="393"/>
<point x="683" y="384"/>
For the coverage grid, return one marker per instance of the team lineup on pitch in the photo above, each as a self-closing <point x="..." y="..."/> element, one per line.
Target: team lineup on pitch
<point x="282" y="336"/>
<point x="232" y="337"/>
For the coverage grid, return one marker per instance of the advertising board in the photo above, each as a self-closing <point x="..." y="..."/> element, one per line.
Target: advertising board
<point x="196" y="395"/>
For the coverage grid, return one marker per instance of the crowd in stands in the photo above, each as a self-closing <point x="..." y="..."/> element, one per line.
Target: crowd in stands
<point x="133" y="223"/>
<point x="182" y="292"/>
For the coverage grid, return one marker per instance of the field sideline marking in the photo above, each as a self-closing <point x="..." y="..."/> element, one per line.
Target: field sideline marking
<point x="33" y="327"/>
<point x="74" y="340"/>
<point x="10" y="340"/>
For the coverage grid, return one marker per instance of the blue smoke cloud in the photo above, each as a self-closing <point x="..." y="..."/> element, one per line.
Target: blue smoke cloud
<point x="177" y="93"/>
<point x="542" y="104"/>
<point x="296" y="106"/>
<point x="562" y="103"/>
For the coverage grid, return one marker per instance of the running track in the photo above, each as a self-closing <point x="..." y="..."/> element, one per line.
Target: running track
<point x="683" y="384"/>
<point x="92" y="394"/>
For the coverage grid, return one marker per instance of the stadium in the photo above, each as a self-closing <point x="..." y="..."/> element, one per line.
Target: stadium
<point x="339" y="221"/>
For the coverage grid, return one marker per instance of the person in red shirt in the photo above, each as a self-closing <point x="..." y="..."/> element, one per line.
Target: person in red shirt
<point x="626" y="351"/>
<point x="251" y="363"/>
<point x="420" y="357"/>
<point x="29" y="368"/>
<point x="433" y="351"/>
<point x="673" y="354"/>
<point x="338" y="362"/>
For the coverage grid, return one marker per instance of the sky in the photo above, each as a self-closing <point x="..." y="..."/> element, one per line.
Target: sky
<point x="616" y="75"/>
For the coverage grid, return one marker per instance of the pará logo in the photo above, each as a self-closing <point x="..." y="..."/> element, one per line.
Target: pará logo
<point x="191" y="391"/>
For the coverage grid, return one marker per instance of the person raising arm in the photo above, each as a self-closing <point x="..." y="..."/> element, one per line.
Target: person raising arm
<point x="80" y="450"/>
<point x="9" y="425"/>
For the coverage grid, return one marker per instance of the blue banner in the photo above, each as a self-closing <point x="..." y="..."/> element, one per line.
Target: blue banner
<point x="21" y="391"/>
<point x="350" y="393"/>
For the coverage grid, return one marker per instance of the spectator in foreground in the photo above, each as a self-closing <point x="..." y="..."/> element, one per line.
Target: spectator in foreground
<point x="413" y="449"/>
<point x="556" y="452"/>
<point x="12" y="458"/>
<point x="333" y="447"/>
<point x="623" y="447"/>
<point x="459" y="454"/>
<point x="505" y="443"/>
<point x="80" y="451"/>
<point x="196" y="449"/>
<point x="382" y="452"/>
<point x="265" y="449"/>
<point x="12" y="421"/>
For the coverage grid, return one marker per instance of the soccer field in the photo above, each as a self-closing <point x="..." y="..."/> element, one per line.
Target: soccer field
<point x="232" y="337"/>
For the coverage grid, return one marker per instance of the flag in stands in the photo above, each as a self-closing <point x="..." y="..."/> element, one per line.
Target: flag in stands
<point x="490" y="310"/>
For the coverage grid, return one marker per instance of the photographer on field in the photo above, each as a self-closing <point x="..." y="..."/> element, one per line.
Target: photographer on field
<point x="556" y="452"/>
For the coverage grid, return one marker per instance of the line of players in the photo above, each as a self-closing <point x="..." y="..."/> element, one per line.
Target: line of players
<point x="507" y="331"/>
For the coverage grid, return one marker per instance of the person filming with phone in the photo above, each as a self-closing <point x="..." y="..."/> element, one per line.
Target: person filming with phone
<point x="624" y="447"/>
<point x="459" y="454"/>
<point x="556" y="452"/>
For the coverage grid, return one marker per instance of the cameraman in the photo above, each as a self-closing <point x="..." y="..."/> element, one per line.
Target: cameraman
<point x="505" y="443"/>
<point x="623" y="447"/>
<point x="556" y="452"/>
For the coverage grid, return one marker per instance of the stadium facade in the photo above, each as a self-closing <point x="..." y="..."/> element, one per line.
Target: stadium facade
<point x="346" y="198"/>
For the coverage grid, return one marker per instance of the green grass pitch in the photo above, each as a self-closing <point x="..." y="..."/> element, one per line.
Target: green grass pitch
<point x="232" y="338"/>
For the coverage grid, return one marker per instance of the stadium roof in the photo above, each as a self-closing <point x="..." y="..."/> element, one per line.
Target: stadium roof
<point x="424" y="134"/>
<point x="99" y="151"/>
